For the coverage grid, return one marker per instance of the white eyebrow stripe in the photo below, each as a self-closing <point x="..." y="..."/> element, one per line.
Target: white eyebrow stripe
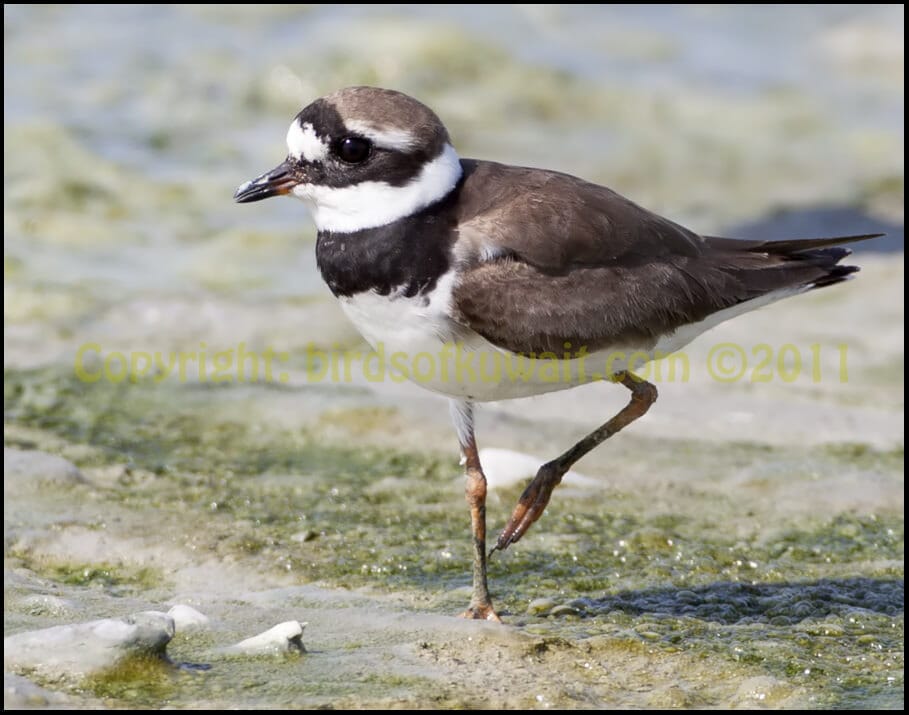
<point x="304" y="143"/>
<point x="395" y="139"/>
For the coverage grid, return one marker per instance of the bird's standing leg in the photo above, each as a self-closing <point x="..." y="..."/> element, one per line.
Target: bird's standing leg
<point x="536" y="496"/>
<point x="480" y="603"/>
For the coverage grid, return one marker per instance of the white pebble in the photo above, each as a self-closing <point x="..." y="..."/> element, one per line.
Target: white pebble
<point x="187" y="618"/>
<point x="285" y="637"/>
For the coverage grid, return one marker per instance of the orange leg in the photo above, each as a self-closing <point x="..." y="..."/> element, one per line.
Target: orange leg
<point x="480" y="603"/>
<point x="536" y="496"/>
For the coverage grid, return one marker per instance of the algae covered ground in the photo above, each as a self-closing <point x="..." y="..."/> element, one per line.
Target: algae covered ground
<point x="740" y="546"/>
<point x="701" y="583"/>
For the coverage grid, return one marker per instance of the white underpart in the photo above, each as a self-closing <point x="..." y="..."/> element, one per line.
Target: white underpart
<point x="411" y="327"/>
<point x="408" y="325"/>
<point x="394" y="139"/>
<point x="462" y="417"/>
<point x="377" y="203"/>
<point x="304" y="143"/>
<point x="680" y="338"/>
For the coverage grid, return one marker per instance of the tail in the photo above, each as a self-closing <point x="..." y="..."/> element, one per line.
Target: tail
<point x="765" y="266"/>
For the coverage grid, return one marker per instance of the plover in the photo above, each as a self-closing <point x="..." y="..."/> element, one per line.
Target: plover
<point x="479" y="262"/>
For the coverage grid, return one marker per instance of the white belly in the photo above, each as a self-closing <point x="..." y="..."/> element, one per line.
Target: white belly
<point x="415" y="339"/>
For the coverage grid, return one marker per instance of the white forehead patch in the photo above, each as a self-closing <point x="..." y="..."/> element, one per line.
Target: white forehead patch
<point x="304" y="143"/>
<point x="391" y="138"/>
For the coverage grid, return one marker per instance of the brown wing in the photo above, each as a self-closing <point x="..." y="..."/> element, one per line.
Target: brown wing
<point x="577" y="263"/>
<point x="555" y="221"/>
<point x="518" y="307"/>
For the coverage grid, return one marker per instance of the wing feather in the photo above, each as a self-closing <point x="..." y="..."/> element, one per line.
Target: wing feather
<point x="551" y="263"/>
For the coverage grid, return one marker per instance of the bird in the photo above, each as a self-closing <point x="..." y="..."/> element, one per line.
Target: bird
<point x="485" y="263"/>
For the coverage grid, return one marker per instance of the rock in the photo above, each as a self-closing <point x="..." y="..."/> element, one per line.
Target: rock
<point x="541" y="606"/>
<point x="27" y="470"/>
<point x="565" y="609"/>
<point x="301" y="537"/>
<point x="187" y="618"/>
<point x="44" y="604"/>
<point x="84" y="648"/>
<point x="649" y="635"/>
<point x="285" y="637"/>
<point x="20" y="693"/>
<point x="763" y="691"/>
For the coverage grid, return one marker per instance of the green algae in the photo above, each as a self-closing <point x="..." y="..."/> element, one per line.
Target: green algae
<point x="141" y="680"/>
<point x="814" y="602"/>
<point x="195" y="436"/>
<point x="115" y="579"/>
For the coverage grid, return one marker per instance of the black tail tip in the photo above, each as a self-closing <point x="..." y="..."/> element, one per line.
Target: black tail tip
<point x="837" y="274"/>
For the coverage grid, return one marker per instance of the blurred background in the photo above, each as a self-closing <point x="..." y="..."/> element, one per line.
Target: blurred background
<point x="128" y="128"/>
<point x="741" y="546"/>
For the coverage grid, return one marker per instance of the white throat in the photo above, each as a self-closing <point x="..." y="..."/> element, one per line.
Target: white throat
<point x="376" y="203"/>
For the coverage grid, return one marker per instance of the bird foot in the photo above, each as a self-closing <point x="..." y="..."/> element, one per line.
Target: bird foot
<point x="530" y="506"/>
<point x="481" y="612"/>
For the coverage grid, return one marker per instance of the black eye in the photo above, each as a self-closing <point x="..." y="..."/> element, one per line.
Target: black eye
<point x="353" y="150"/>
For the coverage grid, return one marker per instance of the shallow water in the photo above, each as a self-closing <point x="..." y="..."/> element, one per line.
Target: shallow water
<point x="740" y="547"/>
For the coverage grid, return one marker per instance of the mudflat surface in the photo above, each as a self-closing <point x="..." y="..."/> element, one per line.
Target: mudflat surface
<point x="741" y="545"/>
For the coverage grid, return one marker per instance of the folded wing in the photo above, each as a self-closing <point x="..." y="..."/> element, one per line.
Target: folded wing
<point x="577" y="264"/>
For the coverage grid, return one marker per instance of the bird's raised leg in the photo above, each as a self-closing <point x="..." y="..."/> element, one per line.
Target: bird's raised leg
<point x="536" y="496"/>
<point x="480" y="603"/>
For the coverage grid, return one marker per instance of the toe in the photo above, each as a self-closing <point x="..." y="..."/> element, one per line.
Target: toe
<point x="481" y="612"/>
